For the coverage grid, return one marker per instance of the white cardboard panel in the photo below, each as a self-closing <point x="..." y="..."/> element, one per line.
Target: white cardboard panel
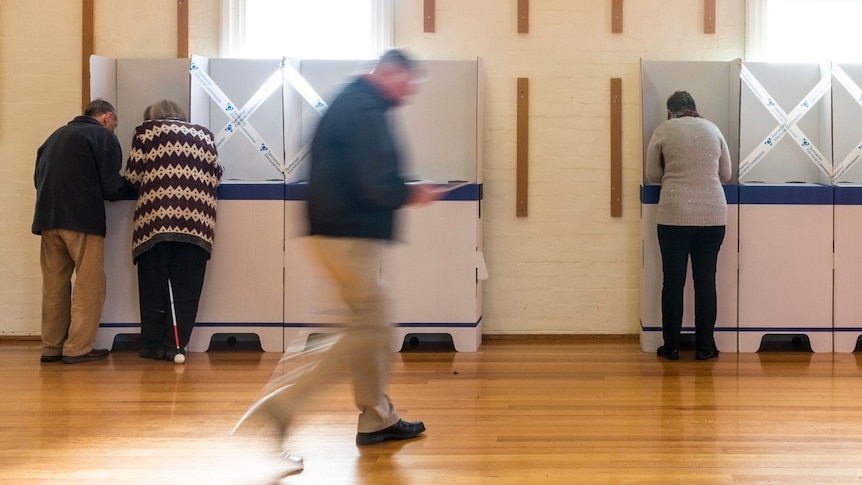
<point x="431" y="269"/>
<point x="103" y="78"/>
<point x="846" y="126"/>
<point x="142" y="82"/>
<point x="240" y="79"/>
<point x="292" y="113"/>
<point x="788" y="85"/>
<point x="244" y="275"/>
<point x="713" y="85"/>
<point x="437" y="126"/>
<point x="439" y="123"/>
<point x="785" y="266"/>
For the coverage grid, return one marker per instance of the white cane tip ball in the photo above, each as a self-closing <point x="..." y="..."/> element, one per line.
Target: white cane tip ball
<point x="179" y="358"/>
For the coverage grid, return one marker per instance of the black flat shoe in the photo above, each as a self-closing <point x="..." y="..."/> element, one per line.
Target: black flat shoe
<point x="50" y="358"/>
<point x="156" y="353"/>
<point x="401" y="430"/>
<point x="667" y="353"/>
<point x="93" y="355"/>
<point x="706" y="354"/>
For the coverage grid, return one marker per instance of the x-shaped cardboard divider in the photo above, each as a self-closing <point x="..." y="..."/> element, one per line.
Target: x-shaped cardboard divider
<point x="786" y="124"/>
<point x="238" y="120"/>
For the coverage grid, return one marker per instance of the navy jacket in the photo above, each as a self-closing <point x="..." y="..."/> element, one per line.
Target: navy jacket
<point x="77" y="169"/>
<point x="356" y="183"/>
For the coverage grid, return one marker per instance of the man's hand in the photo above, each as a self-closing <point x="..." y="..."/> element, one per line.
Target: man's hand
<point x="423" y="194"/>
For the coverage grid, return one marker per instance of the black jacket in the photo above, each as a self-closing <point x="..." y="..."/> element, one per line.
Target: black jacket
<point x="355" y="184"/>
<point x="77" y="169"/>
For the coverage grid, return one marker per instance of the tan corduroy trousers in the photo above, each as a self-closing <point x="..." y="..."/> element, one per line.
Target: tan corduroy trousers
<point x="71" y="310"/>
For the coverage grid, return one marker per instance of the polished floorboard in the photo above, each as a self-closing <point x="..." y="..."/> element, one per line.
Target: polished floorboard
<point x="518" y="411"/>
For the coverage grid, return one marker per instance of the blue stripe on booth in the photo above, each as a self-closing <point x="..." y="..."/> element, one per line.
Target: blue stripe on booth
<point x="787" y="194"/>
<point x="251" y="191"/>
<point x="848" y="195"/>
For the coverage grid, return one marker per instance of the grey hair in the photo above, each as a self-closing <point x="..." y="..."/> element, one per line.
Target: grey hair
<point x="98" y="107"/>
<point x="163" y="110"/>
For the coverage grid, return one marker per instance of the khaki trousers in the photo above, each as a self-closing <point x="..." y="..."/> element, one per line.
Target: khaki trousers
<point x="71" y="313"/>
<point x="354" y="264"/>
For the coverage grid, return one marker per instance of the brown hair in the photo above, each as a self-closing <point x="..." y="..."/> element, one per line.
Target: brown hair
<point x="679" y="101"/>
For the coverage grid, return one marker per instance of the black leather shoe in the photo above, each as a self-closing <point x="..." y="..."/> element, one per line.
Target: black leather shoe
<point x="667" y="353"/>
<point x="401" y="430"/>
<point x="95" y="354"/>
<point x="50" y="358"/>
<point x="706" y="354"/>
<point x="156" y="353"/>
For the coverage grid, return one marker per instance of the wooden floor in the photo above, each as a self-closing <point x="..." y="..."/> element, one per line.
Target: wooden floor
<point x="529" y="411"/>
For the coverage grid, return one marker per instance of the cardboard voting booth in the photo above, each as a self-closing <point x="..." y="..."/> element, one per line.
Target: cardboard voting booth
<point x="715" y="88"/>
<point x="434" y="270"/>
<point x="847" y="151"/>
<point x="261" y="279"/>
<point x="799" y="200"/>
<point x="786" y="204"/>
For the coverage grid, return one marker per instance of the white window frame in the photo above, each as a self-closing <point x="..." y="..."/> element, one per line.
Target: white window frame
<point x="755" y="18"/>
<point x="232" y="33"/>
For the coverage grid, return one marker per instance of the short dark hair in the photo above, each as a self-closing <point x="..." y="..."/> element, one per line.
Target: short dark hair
<point x="98" y="107"/>
<point x="680" y="100"/>
<point x="397" y="58"/>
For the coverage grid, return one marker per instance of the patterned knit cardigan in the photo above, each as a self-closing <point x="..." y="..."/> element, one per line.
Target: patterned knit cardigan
<point x="175" y="166"/>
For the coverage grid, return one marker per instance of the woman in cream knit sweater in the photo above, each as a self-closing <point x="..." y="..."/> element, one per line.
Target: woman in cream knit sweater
<point x="688" y="155"/>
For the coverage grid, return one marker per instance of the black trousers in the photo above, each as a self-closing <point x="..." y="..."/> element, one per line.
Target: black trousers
<point x="701" y="244"/>
<point x="185" y="265"/>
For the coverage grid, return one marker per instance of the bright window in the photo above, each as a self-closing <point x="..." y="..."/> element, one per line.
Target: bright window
<point x="306" y="29"/>
<point x="804" y="30"/>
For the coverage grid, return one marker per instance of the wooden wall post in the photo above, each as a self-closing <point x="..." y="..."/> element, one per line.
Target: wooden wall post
<point x="708" y="16"/>
<point x="183" y="28"/>
<point x="428" y="16"/>
<point x="616" y="147"/>
<point x="523" y="16"/>
<point x="522" y="145"/>
<point x="617" y="16"/>
<point x="88" y="28"/>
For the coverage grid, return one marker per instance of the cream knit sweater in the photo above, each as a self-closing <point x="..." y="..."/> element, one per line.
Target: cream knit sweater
<point x="690" y="158"/>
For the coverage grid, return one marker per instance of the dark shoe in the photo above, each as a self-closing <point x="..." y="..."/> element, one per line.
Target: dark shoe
<point x="95" y="354"/>
<point x="50" y="358"/>
<point x="667" y="353"/>
<point x="706" y="354"/>
<point x="156" y="353"/>
<point x="401" y="430"/>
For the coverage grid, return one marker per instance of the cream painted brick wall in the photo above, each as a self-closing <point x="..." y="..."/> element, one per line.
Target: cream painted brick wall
<point x="40" y="89"/>
<point x="567" y="268"/>
<point x="131" y="28"/>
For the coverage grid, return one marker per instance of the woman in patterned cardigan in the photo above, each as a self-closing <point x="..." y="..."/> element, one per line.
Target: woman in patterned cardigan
<point x="175" y="166"/>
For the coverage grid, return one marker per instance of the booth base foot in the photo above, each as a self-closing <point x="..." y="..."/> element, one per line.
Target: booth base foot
<point x="271" y="337"/>
<point x="750" y="342"/>
<point x="465" y="339"/>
